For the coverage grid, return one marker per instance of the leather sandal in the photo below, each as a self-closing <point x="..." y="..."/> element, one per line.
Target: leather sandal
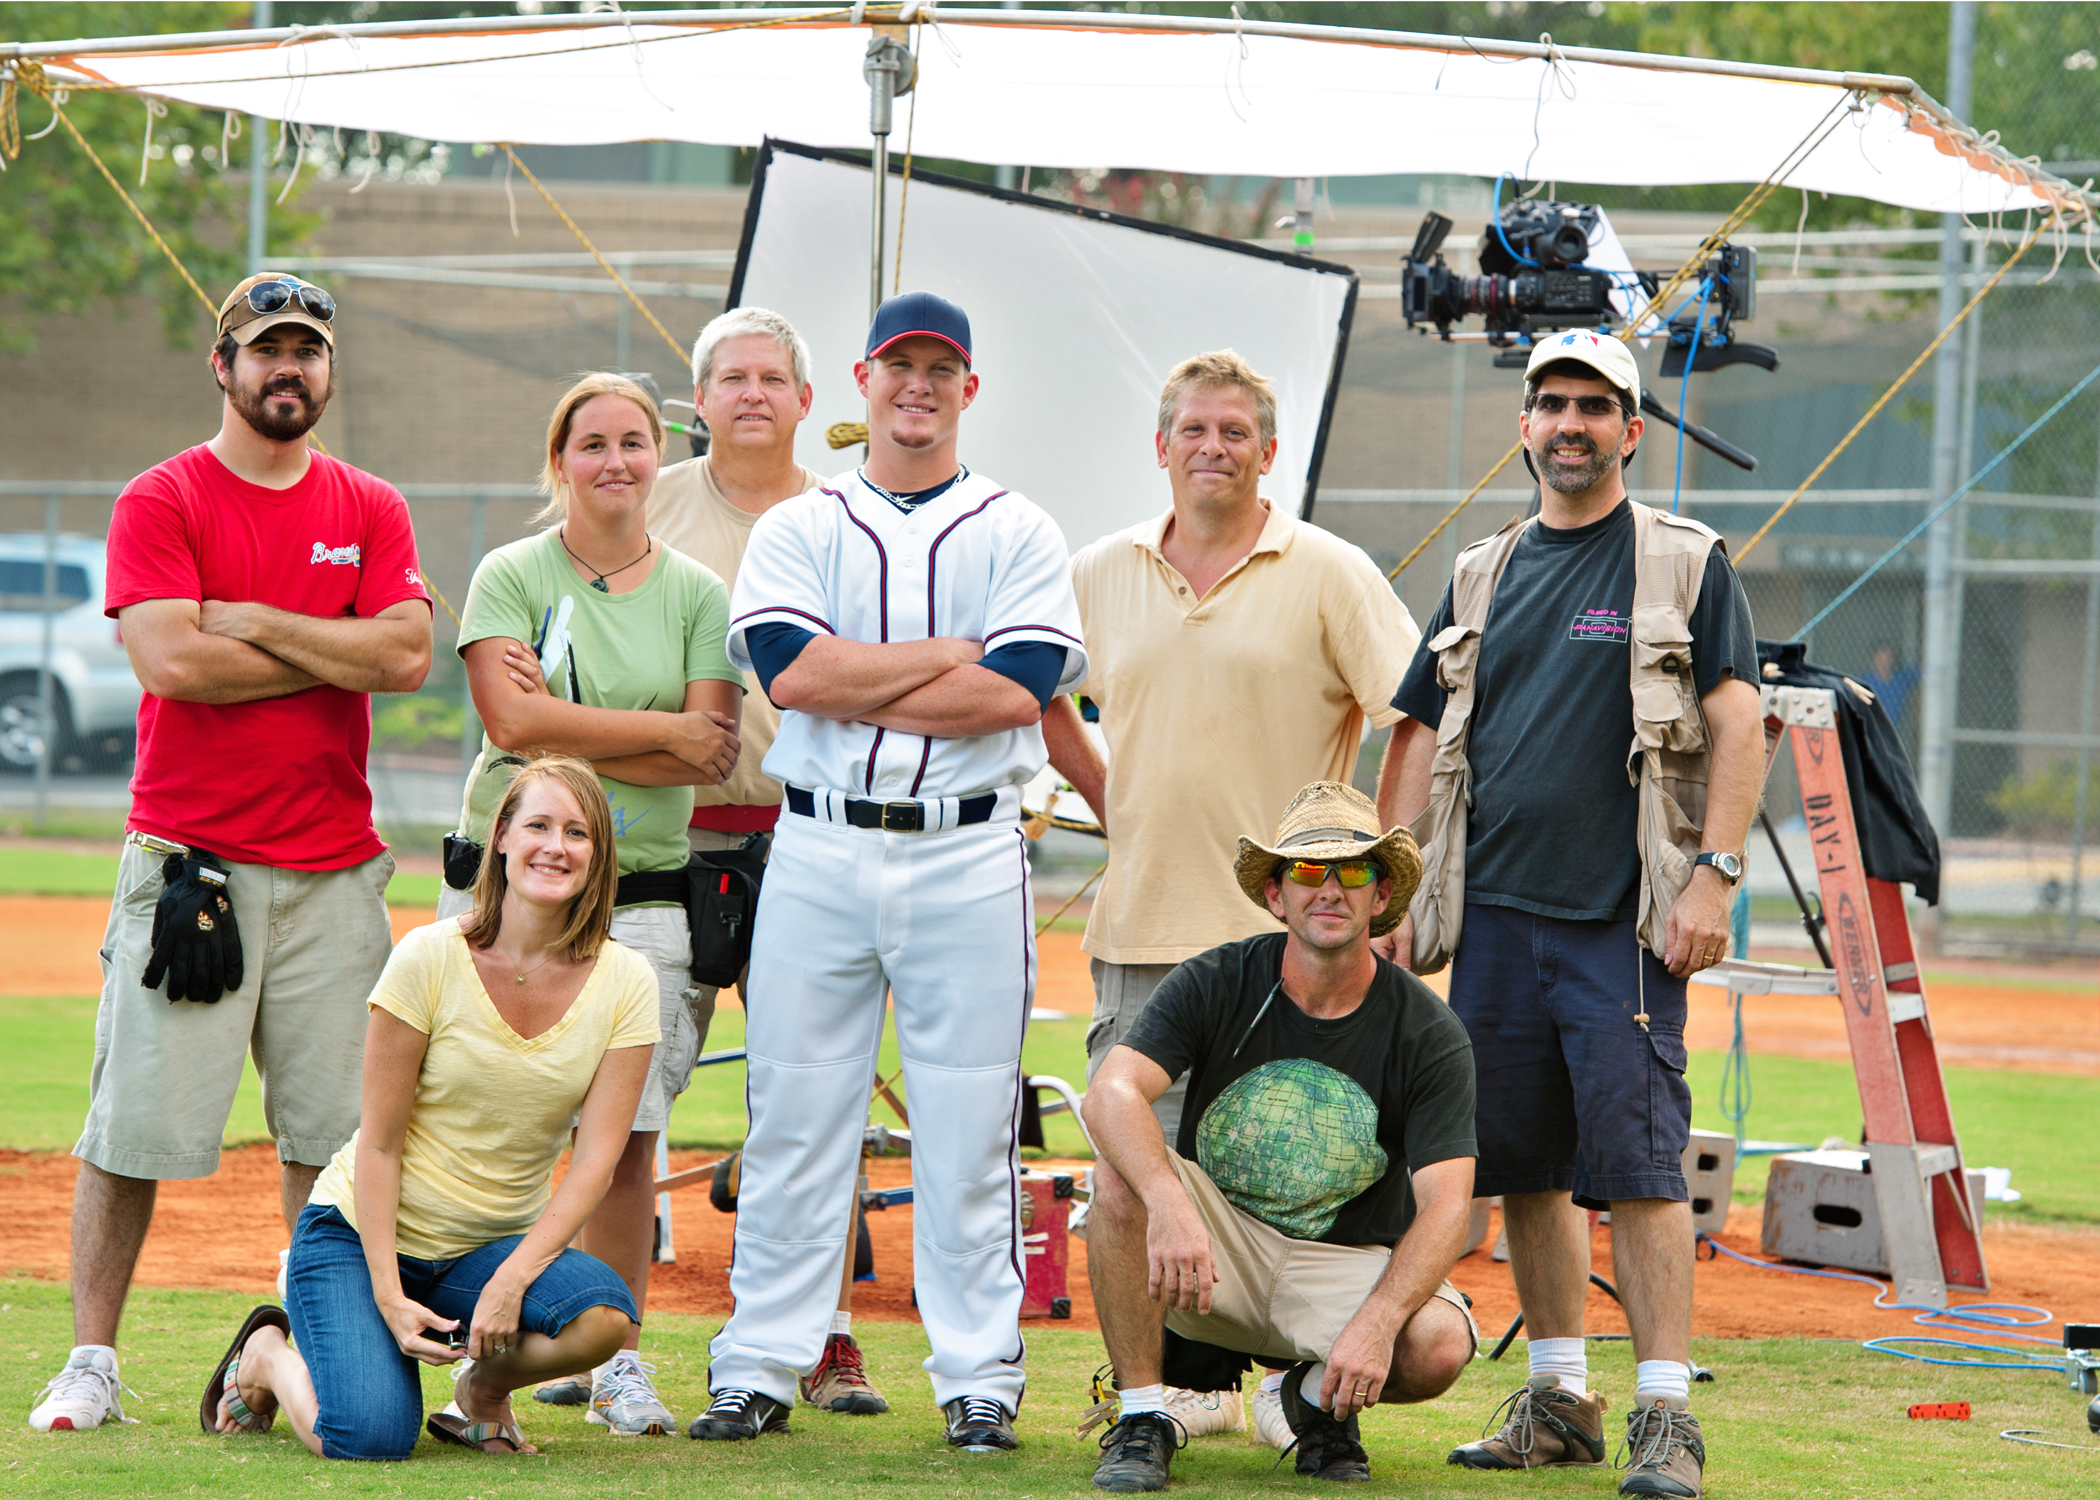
<point x="224" y="1384"/>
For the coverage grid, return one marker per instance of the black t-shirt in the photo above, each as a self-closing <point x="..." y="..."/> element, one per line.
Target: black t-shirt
<point x="1311" y="1126"/>
<point x="1553" y="825"/>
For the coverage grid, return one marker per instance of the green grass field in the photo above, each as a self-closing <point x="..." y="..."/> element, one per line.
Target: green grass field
<point x="1783" y="1418"/>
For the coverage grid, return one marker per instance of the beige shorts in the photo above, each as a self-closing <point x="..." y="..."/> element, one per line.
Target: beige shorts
<point x="1276" y="1297"/>
<point x="1120" y="994"/>
<point x="659" y="934"/>
<point x="313" y="943"/>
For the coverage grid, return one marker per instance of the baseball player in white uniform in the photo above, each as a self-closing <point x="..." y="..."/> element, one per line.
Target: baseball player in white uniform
<point x="911" y="619"/>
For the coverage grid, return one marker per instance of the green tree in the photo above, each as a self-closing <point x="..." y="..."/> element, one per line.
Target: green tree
<point x="67" y="241"/>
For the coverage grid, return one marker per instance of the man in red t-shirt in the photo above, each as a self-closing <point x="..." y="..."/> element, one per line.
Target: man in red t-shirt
<point x="263" y="592"/>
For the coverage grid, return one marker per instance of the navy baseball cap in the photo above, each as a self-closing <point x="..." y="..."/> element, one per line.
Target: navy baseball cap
<point x="919" y="314"/>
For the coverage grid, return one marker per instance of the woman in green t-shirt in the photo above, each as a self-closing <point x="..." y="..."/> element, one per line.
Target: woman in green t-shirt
<point x="594" y="639"/>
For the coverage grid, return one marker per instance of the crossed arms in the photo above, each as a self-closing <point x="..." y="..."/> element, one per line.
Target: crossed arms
<point x="693" y="745"/>
<point x="931" y="687"/>
<point x="220" y="652"/>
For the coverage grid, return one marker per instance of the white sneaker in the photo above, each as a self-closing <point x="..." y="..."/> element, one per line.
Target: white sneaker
<point x="284" y="1267"/>
<point x="1201" y="1413"/>
<point x="82" y="1395"/>
<point x="624" y="1400"/>
<point x="1269" y="1426"/>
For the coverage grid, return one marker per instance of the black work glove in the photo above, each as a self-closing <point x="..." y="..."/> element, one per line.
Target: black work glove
<point x="196" y="946"/>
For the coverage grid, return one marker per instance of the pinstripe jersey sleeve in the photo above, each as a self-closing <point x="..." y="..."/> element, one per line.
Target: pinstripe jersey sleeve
<point x="781" y="580"/>
<point x="1031" y="594"/>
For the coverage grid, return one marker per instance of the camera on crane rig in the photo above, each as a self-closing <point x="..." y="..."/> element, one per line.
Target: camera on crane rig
<point x="1534" y="278"/>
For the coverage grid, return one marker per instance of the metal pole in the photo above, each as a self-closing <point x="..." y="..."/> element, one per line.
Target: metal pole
<point x="469" y="721"/>
<point x="1454" y="463"/>
<point x="258" y="172"/>
<point x="887" y="60"/>
<point x="47" y="731"/>
<point x="2083" y="793"/>
<point x="1936" y="699"/>
<point x="1301" y="231"/>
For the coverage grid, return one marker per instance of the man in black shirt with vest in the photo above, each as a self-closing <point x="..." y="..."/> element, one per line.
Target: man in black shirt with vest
<point x="1581" y="916"/>
<point x="1319" y="1188"/>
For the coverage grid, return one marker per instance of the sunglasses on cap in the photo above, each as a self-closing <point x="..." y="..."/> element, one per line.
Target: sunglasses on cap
<point x="268" y="297"/>
<point x="1352" y="873"/>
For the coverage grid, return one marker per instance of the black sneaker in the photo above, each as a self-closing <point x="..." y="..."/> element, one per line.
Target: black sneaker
<point x="1327" y="1449"/>
<point x="734" y="1415"/>
<point x="1136" y="1452"/>
<point x="978" y="1424"/>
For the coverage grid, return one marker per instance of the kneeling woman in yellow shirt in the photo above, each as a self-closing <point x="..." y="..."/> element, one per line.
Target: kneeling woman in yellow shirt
<point x="433" y="1235"/>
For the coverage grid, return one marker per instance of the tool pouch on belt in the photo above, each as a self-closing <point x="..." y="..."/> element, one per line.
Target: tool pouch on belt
<point x="1668" y="759"/>
<point x="720" y="907"/>
<point x="462" y="862"/>
<point x="1439" y="902"/>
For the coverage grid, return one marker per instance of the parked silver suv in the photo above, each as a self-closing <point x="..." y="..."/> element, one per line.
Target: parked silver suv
<point x="94" y="696"/>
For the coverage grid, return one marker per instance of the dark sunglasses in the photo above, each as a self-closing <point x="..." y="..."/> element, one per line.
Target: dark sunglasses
<point x="1352" y="873"/>
<point x="1589" y="406"/>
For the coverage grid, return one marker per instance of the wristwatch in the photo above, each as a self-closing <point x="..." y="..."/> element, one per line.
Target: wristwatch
<point x="1728" y="866"/>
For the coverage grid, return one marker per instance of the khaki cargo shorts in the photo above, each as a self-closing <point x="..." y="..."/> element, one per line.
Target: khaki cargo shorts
<point x="659" y="934"/>
<point x="313" y="943"/>
<point x="1276" y="1297"/>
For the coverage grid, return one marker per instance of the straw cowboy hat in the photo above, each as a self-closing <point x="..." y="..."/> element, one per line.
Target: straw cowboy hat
<point x="1330" y="821"/>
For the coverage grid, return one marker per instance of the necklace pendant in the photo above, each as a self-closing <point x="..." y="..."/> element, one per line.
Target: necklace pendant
<point x="601" y="585"/>
<point x="521" y="979"/>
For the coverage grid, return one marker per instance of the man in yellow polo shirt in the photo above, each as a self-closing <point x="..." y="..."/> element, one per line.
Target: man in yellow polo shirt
<point x="1237" y="654"/>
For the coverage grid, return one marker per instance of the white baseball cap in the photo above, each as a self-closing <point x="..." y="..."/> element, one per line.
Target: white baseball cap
<point x="1607" y="355"/>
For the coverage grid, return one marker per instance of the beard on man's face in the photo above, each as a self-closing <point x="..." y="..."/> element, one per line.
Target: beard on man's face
<point x="260" y="409"/>
<point x="1573" y="477"/>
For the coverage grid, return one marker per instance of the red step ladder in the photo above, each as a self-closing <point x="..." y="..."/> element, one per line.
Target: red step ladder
<point x="1934" y="1242"/>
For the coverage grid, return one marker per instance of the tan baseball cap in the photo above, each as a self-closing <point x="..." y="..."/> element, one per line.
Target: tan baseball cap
<point x="283" y="298"/>
<point x="1607" y="355"/>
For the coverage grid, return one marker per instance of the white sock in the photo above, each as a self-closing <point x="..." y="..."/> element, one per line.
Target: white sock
<point x="1566" y="1360"/>
<point x="1137" y="1398"/>
<point x="99" y="1354"/>
<point x="1309" y="1387"/>
<point x="1273" y="1382"/>
<point x="1662" y="1377"/>
<point x="842" y="1322"/>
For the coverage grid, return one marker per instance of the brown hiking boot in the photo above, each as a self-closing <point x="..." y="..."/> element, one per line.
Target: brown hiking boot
<point x="840" y="1381"/>
<point x="1665" y="1454"/>
<point x="1546" y="1428"/>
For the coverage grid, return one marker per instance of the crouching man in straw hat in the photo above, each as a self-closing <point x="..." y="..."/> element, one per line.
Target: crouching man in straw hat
<point x="1323" y="1084"/>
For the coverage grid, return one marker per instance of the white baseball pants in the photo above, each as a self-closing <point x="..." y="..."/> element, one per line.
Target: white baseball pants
<point x="942" y="922"/>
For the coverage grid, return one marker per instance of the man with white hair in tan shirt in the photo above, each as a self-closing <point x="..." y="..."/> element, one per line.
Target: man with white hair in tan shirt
<point x="1237" y="653"/>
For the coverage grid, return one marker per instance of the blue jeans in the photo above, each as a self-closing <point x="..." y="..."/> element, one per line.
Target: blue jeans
<point x="370" y="1393"/>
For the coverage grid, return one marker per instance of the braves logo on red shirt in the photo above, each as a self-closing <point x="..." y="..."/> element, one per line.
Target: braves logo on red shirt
<point x="353" y="554"/>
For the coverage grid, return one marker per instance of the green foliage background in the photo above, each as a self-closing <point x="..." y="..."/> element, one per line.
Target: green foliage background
<point x="67" y="242"/>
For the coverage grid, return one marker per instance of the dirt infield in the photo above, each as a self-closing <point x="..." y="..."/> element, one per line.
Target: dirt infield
<point x="2045" y="1027"/>
<point x="224" y="1231"/>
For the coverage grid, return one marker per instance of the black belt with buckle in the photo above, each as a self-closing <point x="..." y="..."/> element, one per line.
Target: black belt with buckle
<point x="894" y="817"/>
